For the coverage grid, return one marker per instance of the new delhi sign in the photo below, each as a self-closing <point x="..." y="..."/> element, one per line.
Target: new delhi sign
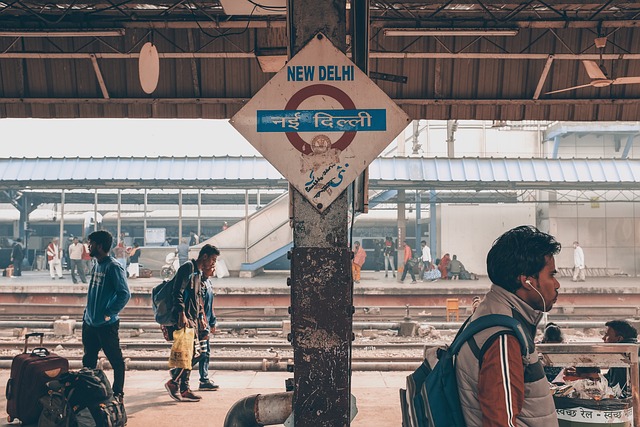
<point x="320" y="121"/>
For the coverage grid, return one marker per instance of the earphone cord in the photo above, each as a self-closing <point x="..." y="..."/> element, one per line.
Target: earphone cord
<point x="544" y="305"/>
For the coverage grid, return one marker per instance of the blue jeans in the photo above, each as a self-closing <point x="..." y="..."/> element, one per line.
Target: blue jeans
<point x="204" y="361"/>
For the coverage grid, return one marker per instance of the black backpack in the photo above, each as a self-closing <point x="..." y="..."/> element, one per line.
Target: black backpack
<point x="86" y="387"/>
<point x="163" y="300"/>
<point x="77" y="390"/>
<point x="56" y="410"/>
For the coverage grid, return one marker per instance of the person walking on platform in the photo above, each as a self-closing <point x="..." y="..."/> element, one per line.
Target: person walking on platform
<point x="134" y="261"/>
<point x="578" y="263"/>
<point x="408" y="264"/>
<point x="107" y="296"/>
<point x="359" y="256"/>
<point x="425" y="256"/>
<point x="183" y="251"/>
<point x="86" y="257"/>
<point x="204" y="335"/>
<point x="120" y="254"/>
<point x="54" y="257"/>
<point x="193" y="239"/>
<point x="188" y="312"/>
<point x="389" y="255"/>
<point x="75" y="256"/>
<point x="497" y="385"/>
<point x="17" y="256"/>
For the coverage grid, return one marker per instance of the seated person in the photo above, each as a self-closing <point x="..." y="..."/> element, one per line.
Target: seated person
<point x="552" y="335"/>
<point x="454" y="268"/>
<point x="619" y="331"/>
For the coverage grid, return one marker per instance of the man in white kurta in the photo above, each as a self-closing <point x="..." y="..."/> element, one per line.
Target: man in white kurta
<point x="578" y="263"/>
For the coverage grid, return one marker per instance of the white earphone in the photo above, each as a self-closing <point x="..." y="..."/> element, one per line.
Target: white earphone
<point x="544" y="304"/>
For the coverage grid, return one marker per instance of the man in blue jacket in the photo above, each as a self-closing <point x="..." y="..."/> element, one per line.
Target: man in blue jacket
<point x="108" y="294"/>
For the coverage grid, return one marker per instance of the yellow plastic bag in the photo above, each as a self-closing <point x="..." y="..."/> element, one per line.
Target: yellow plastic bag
<point x="182" y="348"/>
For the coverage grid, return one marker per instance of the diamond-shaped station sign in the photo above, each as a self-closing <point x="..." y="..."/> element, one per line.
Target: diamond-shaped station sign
<point x="320" y="121"/>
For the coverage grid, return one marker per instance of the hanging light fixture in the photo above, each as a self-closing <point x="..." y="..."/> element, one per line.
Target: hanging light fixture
<point x="149" y="67"/>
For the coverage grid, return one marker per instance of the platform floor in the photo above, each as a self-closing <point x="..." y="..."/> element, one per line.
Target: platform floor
<point x="148" y="403"/>
<point x="276" y="282"/>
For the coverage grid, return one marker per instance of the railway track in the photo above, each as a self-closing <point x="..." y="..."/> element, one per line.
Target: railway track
<point x="279" y="346"/>
<point x="9" y="311"/>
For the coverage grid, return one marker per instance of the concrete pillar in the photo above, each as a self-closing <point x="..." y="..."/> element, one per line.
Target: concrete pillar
<point x="321" y="280"/>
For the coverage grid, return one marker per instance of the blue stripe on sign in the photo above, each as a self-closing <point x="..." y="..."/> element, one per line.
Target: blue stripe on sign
<point x="322" y="120"/>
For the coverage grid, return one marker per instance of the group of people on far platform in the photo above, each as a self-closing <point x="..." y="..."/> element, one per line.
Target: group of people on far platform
<point x="418" y="266"/>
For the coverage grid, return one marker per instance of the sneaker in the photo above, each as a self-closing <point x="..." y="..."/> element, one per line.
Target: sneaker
<point x="413" y="282"/>
<point x="208" y="386"/>
<point x="188" y="396"/>
<point x="173" y="389"/>
<point x="386" y="275"/>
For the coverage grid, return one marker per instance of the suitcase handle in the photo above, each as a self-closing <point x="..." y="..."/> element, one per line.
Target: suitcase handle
<point x="32" y="334"/>
<point x="9" y="391"/>
<point x="40" y="351"/>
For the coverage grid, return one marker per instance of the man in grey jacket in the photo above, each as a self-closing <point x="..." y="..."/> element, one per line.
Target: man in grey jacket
<point x="496" y="384"/>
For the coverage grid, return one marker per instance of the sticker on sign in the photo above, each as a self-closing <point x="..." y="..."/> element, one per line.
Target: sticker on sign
<point x="320" y="121"/>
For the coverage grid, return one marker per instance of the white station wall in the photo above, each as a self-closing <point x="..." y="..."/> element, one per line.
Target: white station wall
<point x="469" y="230"/>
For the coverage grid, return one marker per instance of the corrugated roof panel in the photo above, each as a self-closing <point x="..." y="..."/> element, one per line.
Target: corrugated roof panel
<point x="628" y="172"/>
<point x="499" y="170"/>
<point x="16" y="170"/>
<point x="472" y="170"/>
<point x="610" y="171"/>
<point x="411" y="172"/>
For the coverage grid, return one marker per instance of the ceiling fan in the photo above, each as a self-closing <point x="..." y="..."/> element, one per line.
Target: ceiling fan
<point x="599" y="78"/>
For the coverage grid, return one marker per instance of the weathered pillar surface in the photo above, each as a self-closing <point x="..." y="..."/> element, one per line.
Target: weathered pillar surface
<point x="321" y="281"/>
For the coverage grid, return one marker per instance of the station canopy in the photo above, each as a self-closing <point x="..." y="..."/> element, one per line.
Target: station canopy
<point x="462" y="59"/>
<point x="474" y="174"/>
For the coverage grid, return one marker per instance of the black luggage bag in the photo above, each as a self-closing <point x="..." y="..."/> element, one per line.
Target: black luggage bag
<point x="30" y="372"/>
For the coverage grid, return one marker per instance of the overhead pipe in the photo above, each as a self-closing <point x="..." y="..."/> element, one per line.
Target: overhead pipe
<point x="260" y="410"/>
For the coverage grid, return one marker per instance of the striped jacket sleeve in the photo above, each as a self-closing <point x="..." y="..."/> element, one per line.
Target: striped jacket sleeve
<point x="501" y="383"/>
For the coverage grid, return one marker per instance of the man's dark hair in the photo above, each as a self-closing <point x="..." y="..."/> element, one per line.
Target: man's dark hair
<point x="552" y="334"/>
<point x="102" y="238"/>
<point x="519" y="251"/>
<point x="624" y="329"/>
<point x="209" y="250"/>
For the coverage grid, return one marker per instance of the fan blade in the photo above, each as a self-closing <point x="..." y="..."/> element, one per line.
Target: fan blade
<point x="594" y="70"/>
<point x="626" y="80"/>
<point x="567" y="89"/>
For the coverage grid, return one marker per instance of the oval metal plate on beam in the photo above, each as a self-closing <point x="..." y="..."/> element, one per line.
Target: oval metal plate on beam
<point x="149" y="67"/>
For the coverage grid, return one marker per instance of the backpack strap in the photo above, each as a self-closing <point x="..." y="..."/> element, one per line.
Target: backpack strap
<point x="490" y="321"/>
